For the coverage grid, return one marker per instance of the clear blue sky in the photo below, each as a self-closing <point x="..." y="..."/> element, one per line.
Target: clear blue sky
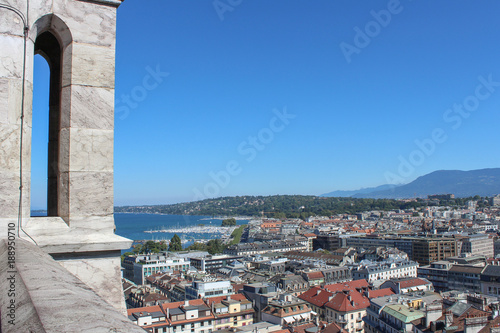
<point x="362" y="88"/>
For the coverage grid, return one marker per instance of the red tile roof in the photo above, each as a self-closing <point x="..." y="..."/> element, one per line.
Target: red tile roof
<point x="349" y="301"/>
<point x="218" y="299"/>
<point x="333" y="328"/>
<point x="174" y="305"/>
<point x="459" y="321"/>
<point x="495" y="323"/>
<point x="302" y="328"/>
<point x="154" y="308"/>
<point x="412" y="283"/>
<point x="352" y="285"/>
<point x="316" y="296"/>
<point x="315" y="275"/>
<point x="380" y="293"/>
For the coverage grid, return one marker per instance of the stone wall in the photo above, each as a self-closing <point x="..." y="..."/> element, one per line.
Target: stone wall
<point x="77" y="38"/>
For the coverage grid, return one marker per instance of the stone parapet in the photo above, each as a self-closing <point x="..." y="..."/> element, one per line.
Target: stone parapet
<point x="48" y="298"/>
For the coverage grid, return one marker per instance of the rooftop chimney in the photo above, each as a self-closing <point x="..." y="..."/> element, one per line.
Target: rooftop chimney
<point x="448" y="318"/>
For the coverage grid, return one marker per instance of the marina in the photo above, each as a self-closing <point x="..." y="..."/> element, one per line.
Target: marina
<point x="224" y="231"/>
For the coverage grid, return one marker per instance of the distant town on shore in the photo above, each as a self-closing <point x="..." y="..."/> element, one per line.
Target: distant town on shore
<point x="413" y="265"/>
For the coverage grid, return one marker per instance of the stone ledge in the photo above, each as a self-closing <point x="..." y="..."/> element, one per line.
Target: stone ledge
<point x="50" y="299"/>
<point x="114" y="3"/>
<point x="53" y="236"/>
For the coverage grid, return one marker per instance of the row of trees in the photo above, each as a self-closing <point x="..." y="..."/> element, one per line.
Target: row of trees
<point x="213" y="246"/>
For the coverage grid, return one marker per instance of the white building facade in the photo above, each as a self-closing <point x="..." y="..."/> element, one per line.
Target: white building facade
<point x="386" y="270"/>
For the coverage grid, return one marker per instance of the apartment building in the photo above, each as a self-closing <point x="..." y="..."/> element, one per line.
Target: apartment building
<point x="244" y="249"/>
<point x="231" y="311"/>
<point x="288" y="311"/>
<point x="347" y="308"/>
<point x="206" y="289"/>
<point x="445" y="275"/>
<point x="398" y="314"/>
<point x="290" y="283"/>
<point x="490" y="280"/>
<point x="405" y="286"/>
<point x="261" y="294"/>
<point x="385" y="270"/>
<point x="478" y="245"/>
<point x="310" y="239"/>
<point x="427" y="250"/>
<point x="424" y="250"/>
<point x="317" y="298"/>
<point x="211" y="263"/>
<point x="178" y="317"/>
<point x="138" y="267"/>
<point x="495" y="201"/>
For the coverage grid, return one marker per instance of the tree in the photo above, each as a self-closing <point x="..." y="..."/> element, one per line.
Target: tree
<point x="150" y="247"/>
<point x="197" y="247"/>
<point x="126" y="254"/>
<point x="137" y="249"/>
<point x="175" y="244"/>
<point x="215" y="246"/>
<point x="229" y="222"/>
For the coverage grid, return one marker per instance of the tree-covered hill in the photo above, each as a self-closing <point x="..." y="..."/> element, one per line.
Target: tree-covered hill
<point x="280" y="206"/>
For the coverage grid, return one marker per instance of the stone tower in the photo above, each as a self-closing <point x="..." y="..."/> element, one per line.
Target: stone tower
<point x="77" y="38"/>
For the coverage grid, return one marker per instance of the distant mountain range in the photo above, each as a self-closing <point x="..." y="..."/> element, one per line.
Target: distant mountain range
<point x="367" y="190"/>
<point x="483" y="182"/>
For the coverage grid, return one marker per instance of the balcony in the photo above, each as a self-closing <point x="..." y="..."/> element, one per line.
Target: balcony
<point x="45" y="295"/>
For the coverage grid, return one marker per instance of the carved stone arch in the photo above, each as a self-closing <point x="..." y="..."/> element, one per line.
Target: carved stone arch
<point x="54" y="24"/>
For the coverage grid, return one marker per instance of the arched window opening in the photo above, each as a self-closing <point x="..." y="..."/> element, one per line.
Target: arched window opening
<point x="40" y="136"/>
<point x="49" y="48"/>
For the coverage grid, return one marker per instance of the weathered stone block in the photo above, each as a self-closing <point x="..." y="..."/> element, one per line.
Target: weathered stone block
<point x="9" y="188"/>
<point x="39" y="10"/>
<point x="101" y="274"/>
<point x="63" y="194"/>
<point x="88" y="22"/>
<point x="11" y="101"/>
<point x="102" y="224"/>
<point x="11" y="64"/>
<point x="9" y="137"/>
<point x="4" y="101"/>
<point x="88" y="150"/>
<point x="10" y="22"/>
<point x="87" y="107"/>
<point x="91" y="194"/>
<point x="90" y="66"/>
<point x="15" y="101"/>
